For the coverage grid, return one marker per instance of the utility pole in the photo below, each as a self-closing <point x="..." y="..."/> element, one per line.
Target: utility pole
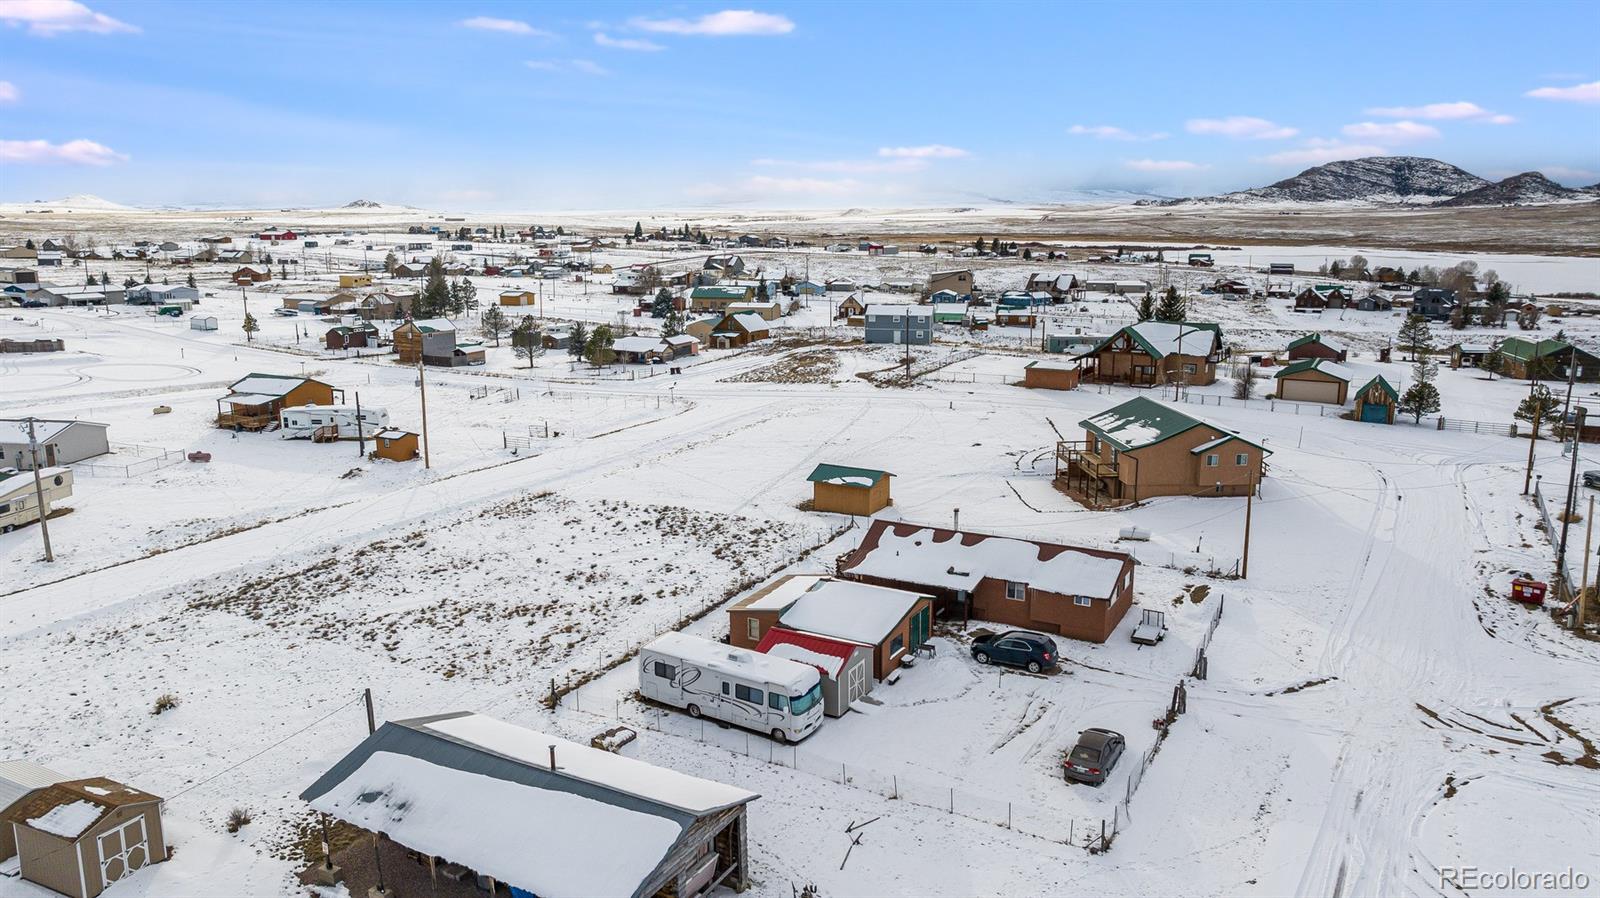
<point x="1571" y="505"/>
<point x="907" y="340"/>
<point x="361" y="430"/>
<point x="1583" y="585"/>
<point x="422" y="384"/>
<point x="38" y="491"/>
<point x="1533" y="437"/>
<point x="1249" y="500"/>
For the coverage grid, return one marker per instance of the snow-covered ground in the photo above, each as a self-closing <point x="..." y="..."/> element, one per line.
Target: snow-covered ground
<point x="1376" y="709"/>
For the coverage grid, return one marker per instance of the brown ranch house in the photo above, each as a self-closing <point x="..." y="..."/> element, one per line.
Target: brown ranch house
<point x="1142" y="449"/>
<point x="1151" y="353"/>
<point x="1075" y="592"/>
<point x="254" y="401"/>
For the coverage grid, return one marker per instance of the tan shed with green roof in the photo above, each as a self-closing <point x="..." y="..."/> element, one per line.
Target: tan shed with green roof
<point x="842" y="489"/>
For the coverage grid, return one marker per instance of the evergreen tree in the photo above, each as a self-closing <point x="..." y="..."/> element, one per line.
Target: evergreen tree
<point x="638" y="231"/>
<point x="662" y="307"/>
<point x="1422" y="397"/>
<point x="597" y="349"/>
<point x="562" y="232"/>
<point x="390" y="263"/>
<point x="1537" y="407"/>
<point x="190" y="280"/>
<point x="29" y="244"/>
<point x="91" y="282"/>
<point x="580" y="337"/>
<point x="494" y="323"/>
<point x="1147" y="308"/>
<point x="130" y="282"/>
<point x="105" y="279"/>
<point x="1494" y="361"/>
<point x="469" y="294"/>
<point x="672" y="325"/>
<point x="1027" y="253"/>
<point x="147" y="279"/>
<point x="250" y="327"/>
<point x="1172" y="306"/>
<point x="1415" y="337"/>
<point x="435" y="299"/>
<point x="1561" y="334"/>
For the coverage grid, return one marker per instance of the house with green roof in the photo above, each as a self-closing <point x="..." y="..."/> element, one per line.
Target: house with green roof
<point x="1151" y="353"/>
<point x="1553" y="357"/>
<point x="1316" y="346"/>
<point x="1314" y="380"/>
<point x="842" y="489"/>
<point x="1142" y="449"/>
<point x="717" y="299"/>
<point x="1376" y="401"/>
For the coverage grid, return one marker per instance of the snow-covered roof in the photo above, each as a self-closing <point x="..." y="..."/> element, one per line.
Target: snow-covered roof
<point x="780" y="593"/>
<point x="67" y="820"/>
<point x="1325" y="366"/>
<point x="681" y="340"/>
<point x="1054" y="365"/>
<point x="270" y="385"/>
<point x="15" y="430"/>
<point x="855" y="612"/>
<point x="950" y="562"/>
<point x="728" y="659"/>
<point x="637" y="344"/>
<point x="827" y="655"/>
<point x="751" y="322"/>
<point x="18" y="778"/>
<point x="435" y="324"/>
<point x="892" y="309"/>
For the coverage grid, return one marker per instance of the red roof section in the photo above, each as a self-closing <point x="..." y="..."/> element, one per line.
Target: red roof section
<point x="822" y="645"/>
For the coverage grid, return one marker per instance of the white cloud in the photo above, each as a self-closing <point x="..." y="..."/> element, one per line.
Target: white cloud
<point x="1166" y="165"/>
<point x="1112" y="132"/>
<point x="1460" y="110"/>
<point x="626" y="43"/>
<point x="1240" y="127"/>
<point x="850" y="166"/>
<point x="581" y="66"/>
<point x="1577" y="93"/>
<point x="48" y="18"/>
<point x="73" y="152"/>
<point x="1567" y="173"/>
<point x="931" y="151"/>
<point x="9" y="92"/>
<point x="726" y="23"/>
<point x="504" y="26"/>
<point x="1318" y="151"/>
<point x="1390" y="132"/>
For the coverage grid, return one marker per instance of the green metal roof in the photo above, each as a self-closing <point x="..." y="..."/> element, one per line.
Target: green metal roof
<point x="1387" y="388"/>
<point x="1523" y="350"/>
<point x="1322" y="366"/>
<point x="844" y="474"/>
<point x="1157" y="352"/>
<point x="720" y="292"/>
<point x="1141" y="422"/>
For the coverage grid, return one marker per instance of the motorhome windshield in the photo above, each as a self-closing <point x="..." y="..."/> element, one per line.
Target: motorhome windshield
<point x="800" y="704"/>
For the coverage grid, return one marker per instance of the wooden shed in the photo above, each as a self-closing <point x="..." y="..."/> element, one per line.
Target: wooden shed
<point x="395" y="445"/>
<point x="1314" y="380"/>
<point x="845" y="490"/>
<point x="846" y="667"/>
<point x="1376" y="401"/>
<point x="80" y="836"/>
<point x="1051" y="375"/>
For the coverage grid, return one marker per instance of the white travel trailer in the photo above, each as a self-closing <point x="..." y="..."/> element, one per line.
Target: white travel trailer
<point x="748" y="689"/>
<point x="302" y="422"/>
<point x="19" y="501"/>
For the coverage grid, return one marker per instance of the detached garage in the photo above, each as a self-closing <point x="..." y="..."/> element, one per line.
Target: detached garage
<point x="60" y="442"/>
<point x="1314" y="380"/>
<point x="846" y="667"/>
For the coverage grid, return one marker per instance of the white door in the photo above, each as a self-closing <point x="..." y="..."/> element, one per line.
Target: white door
<point x="1308" y="390"/>
<point x="855" y="684"/>
<point x="123" y="850"/>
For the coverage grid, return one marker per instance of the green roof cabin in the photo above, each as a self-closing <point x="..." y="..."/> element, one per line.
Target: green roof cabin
<point x="842" y="489"/>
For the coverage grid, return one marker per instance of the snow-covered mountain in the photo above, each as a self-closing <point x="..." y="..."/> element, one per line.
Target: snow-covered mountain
<point x="1371" y="179"/>
<point x="1527" y="188"/>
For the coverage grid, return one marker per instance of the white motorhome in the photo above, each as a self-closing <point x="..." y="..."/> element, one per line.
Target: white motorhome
<point x="748" y="689"/>
<point x="302" y="422"/>
<point x="19" y="502"/>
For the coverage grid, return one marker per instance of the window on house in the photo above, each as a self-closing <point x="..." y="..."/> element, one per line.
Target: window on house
<point x="748" y="694"/>
<point x="919" y="334"/>
<point x="1241" y="459"/>
<point x="1211" y="460"/>
<point x="752" y="628"/>
<point x="897" y="645"/>
<point x="1082" y="601"/>
<point x="1016" y="591"/>
<point x="665" y="671"/>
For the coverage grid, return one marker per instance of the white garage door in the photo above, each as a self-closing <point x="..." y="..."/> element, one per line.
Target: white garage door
<point x="1308" y="390"/>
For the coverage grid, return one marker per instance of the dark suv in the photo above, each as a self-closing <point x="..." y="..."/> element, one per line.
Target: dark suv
<point x="1091" y="760"/>
<point x="1019" y="648"/>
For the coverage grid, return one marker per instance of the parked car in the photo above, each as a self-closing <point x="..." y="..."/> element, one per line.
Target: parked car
<point x="34" y="304"/>
<point x="1018" y="648"/>
<point x="1591" y="479"/>
<point x="1091" y="760"/>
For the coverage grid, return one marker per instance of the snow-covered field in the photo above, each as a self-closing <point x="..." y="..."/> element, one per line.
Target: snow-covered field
<point x="1376" y="709"/>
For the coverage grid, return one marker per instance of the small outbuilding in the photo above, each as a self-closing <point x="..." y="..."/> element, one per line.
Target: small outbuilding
<point x="77" y="837"/>
<point x="60" y="442"/>
<point x="846" y="667"/>
<point x="1314" y="380"/>
<point x="203" y="323"/>
<point x="1317" y="346"/>
<point x="395" y="445"/>
<point x="1376" y="402"/>
<point x="845" y="490"/>
<point x="1048" y="374"/>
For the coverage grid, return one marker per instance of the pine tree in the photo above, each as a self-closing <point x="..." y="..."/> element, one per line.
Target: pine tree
<point x="250" y="326"/>
<point x="91" y="282"/>
<point x="672" y="325"/>
<point x="1422" y="397"/>
<point x="1172" y="306"/>
<point x="1027" y="253"/>
<point x="1537" y="407"/>
<point x="190" y="280"/>
<point x="662" y="306"/>
<point x="435" y="299"/>
<point x="390" y="263"/>
<point x="105" y="279"/>
<point x="147" y="279"/>
<point x="1415" y="337"/>
<point x="469" y="294"/>
<point x="1494" y="361"/>
<point x="494" y="323"/>
<point x="1147" y="307"/>
<point x="562" y="232"/>
<point x="29" y="244"/>
<point x="638" y="231"/>
<point x="580" y="337"/>
<point x="597" y="349"/>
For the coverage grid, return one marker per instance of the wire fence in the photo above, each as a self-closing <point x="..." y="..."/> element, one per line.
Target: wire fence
<point x="149" y="458"/>
<point x="1552" y="526"/>
<point x="1201" y="659"/>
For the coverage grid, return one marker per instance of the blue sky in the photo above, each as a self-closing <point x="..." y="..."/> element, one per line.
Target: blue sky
<point x="624" y="105"/>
